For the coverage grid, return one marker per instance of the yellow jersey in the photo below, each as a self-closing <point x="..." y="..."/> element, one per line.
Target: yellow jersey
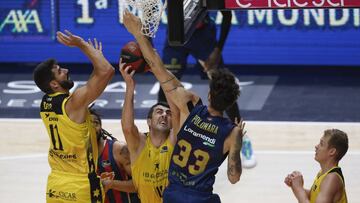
<point x="315" y="188"/>
<point x="72" y="153"/>
<point x="69" y="141"/>
<point x="150" y="171"/>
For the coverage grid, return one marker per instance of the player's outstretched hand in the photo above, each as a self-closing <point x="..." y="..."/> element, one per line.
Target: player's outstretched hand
<point x="68" y="39"/>
<point x="241" y="125"/>
<point x="127" y="74"/>
<point x="96" y="44"/>
<point x="132" y="23"/>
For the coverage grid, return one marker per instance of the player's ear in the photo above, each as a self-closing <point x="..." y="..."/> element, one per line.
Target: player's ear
<point x="54" y="84"/>
<point x="148" y="121"/>
<point x="333" y="151"/>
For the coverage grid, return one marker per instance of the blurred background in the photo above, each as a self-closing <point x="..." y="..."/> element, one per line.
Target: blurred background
<point x="305" y="60"/>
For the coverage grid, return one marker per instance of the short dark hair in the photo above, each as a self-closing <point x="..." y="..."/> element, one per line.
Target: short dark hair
<point x="224" y="91"/>
<point x="43" y="75"/>
<point x="338" y="140"/>
<point x="153" y="107"/>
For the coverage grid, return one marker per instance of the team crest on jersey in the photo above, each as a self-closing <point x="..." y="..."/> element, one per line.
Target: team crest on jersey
<point x="164" y="149"/>
<point x="105" y="163"/>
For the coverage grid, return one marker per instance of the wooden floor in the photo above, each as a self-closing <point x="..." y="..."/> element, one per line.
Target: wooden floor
<point x="280" y="147"/>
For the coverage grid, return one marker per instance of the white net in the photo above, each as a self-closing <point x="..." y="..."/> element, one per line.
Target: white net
<point x="151" y="14"/>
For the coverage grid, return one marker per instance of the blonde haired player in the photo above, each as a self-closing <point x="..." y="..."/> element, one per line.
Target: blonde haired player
<point x="329" y="184"/>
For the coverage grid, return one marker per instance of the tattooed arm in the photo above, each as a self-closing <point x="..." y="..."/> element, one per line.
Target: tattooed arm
<point x="233" y="145"/>
<point x="169" y="83"/>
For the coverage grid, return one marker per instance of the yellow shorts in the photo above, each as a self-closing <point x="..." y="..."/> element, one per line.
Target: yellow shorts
<point x="67" y="188"/>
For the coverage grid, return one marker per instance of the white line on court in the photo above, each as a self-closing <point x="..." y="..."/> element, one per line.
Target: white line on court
<point x="29" y="156"/>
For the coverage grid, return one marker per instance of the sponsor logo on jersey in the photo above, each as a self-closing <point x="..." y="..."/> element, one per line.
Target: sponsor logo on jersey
<point x="68" y="196"/>
<point x="64" y="157"/>
<point x="164" y="149"/>
<point x="207" y="140"/>
<point x="105" y="163"/>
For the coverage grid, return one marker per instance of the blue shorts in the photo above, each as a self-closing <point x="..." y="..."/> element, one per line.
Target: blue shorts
<point x="200" y="46"/>
<point x="178" y="194"/>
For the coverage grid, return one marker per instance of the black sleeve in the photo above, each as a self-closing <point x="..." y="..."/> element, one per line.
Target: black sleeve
<point x="225" y="28"/>
<point x="191" y="106"/>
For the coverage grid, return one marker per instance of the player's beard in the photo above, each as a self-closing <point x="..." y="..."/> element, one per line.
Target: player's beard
<point x="67" y="84"/>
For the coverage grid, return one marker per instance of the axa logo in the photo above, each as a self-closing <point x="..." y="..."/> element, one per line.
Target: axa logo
<point x="68" y="196"/>
<point x="18" y="21"/>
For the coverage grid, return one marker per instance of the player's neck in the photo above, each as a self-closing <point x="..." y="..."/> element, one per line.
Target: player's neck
<point x="158" y="138"/>
<point x="61" y="90"/>
<point x="214" y="112"/>
<point x="327" y="165"/>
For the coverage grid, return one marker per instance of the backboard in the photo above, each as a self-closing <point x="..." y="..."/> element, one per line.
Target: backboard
<point x="183" y="15"/>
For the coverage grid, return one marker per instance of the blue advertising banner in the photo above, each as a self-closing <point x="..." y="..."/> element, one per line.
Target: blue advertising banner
<point x="288" y="37"/>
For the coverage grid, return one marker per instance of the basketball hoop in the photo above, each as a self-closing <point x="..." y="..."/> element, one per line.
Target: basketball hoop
<point x="151" y="14"/>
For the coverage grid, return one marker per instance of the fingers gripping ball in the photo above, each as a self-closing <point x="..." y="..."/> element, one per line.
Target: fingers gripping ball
<point x="132" y="56"/>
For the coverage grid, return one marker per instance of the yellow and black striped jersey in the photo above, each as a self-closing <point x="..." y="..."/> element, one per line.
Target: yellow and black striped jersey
<point x="73" y="146"/>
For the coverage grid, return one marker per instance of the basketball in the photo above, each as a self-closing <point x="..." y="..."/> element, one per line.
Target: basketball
<point x="132" y="56"/>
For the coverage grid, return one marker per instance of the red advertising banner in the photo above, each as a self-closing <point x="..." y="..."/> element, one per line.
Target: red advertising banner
<point x="284" y="4"/>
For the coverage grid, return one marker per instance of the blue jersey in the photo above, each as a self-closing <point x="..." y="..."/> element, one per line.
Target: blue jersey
<point x="197" y="155"/>
<point x="107" y="164"/>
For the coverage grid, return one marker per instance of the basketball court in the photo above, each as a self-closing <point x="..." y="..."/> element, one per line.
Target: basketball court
<point x="286" y="109"/>
<point x="280" y="148"/>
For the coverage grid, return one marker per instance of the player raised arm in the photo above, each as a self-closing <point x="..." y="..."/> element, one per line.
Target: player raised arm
<point x="214" y="59"/>
<point x="233" y="145"/>
<point x="169" y="83"/>
<point x="130" y="130"/>
<point x="101" y="75"/>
